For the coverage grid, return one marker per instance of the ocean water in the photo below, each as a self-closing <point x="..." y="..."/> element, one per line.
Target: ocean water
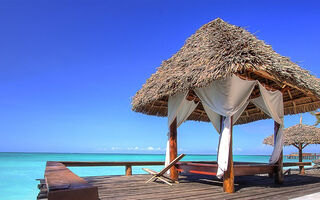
<point x="19" y="171"/>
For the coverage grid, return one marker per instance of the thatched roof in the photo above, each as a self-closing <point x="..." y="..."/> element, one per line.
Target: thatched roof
<point x="298" y="134"/>
<point x="217" y="50"/>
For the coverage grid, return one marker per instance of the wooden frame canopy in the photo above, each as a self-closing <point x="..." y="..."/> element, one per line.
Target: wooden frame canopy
<point x="216" y="51"/>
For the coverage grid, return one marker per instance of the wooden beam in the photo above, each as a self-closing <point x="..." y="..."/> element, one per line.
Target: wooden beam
<point x="128" y="170"/>
<point x="192" y="96"/>
<point x="303" y="104"/>
<point x="162" y="101"/>
<point x="268" y="87"/>
<point x="296" y="145"/>
<point x="200" y="115"/>
<point x="301" y="98"/>
<point x="284" y="89"/>
<point x="173" y="149"/>
<point x="290" y="164"/>
<point x="294" y="106"/>
<point x="301" y="168"/>
<point x="305" y="146"/>
<point x="270" y="77"/>
<point x="278" y="83"/>
<point x="240" y="169"/>
<point x="228" y="177"/>
<point x="290" y="95"/>
<point x="102" y="163"/>
<point x="278" y="170"/>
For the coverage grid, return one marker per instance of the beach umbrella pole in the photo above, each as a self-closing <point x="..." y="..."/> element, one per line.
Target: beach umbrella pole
<point x="278" y="170"/>
<point x="228" y="176"/>
<point x="173" y="149"/>
<point x="300" y="147"/>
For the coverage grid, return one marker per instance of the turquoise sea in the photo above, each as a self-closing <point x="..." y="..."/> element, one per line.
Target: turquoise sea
<point x="19" y="171"/>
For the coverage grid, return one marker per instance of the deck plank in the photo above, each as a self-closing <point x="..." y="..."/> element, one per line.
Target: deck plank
<point x="203" y="187"/>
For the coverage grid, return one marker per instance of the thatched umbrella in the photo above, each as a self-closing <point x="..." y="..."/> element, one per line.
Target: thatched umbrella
<point x="317" y="115"/>
<point x="299" y="136"/>
<point x="219" y="50"/>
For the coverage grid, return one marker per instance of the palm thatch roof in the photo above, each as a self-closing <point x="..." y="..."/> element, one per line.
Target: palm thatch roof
<point x="217" y="50"/>
<point x="298" y="134"/>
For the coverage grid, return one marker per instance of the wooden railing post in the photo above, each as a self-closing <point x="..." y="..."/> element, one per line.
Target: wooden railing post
<point x="278" y="170"/>
<point x="301" y="168"/>
<point x="128" y="170"/>
<point x="228" y="177"/>
<point x="173" y="149"/>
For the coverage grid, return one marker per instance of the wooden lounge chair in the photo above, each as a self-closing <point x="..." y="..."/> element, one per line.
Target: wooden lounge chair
<point x="160" y="175"/>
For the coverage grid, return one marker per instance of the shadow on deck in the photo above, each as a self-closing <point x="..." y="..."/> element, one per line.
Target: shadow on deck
<point x="204" y="187"/>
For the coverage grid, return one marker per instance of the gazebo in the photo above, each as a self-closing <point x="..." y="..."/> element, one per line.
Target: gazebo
<point x="299" y="135"/>
<point x="225" y="75"/>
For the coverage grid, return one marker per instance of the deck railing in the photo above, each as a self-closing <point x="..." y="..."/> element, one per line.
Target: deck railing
<point x="128" y="164"/>
<point x="61" y="183"/>
<point x="309" y="156"/>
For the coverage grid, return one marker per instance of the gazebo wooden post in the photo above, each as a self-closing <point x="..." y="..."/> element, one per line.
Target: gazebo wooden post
<point x="228" y="177"/>
<point x="278" y="170"/>
<point x="301" y="168"/>
<point x="173" y="149"/>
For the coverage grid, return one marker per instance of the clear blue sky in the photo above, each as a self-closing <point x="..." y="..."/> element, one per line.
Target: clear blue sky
<point x="68" y="70"/>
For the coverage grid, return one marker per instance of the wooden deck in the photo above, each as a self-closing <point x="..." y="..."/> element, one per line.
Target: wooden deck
<point x="204" y="187"/>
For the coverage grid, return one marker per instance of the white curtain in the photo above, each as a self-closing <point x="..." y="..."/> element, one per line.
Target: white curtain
<point x="174" y="104"/>
<point x="225" y="97"/>
<point x="228" y="98"/>
<point x="178" y="107"/>
<point x="213" y="116"/>
<point x="271" y="103"/>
